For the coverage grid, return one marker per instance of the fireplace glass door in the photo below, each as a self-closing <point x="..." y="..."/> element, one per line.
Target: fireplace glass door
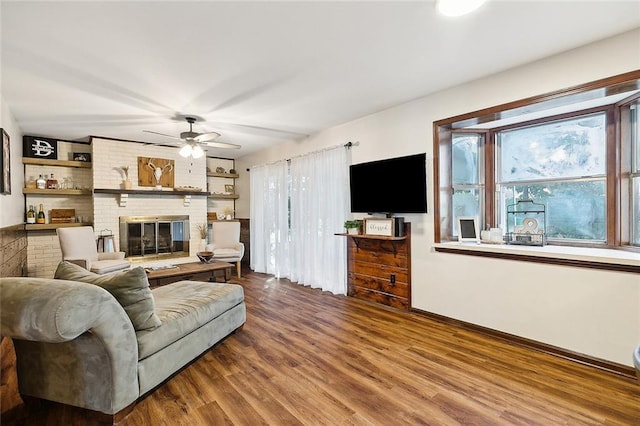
<point x="154" y="236"/>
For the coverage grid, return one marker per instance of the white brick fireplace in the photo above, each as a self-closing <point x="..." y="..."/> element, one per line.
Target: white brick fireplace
<point x="108" y="158"/>
<point x="105" y="209"/>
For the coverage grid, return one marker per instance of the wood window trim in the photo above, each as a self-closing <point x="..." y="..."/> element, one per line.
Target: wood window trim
<point x="443" y="129"/>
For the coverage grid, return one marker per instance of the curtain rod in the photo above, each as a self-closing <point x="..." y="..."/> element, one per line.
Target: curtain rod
<point x="347" y="145"/>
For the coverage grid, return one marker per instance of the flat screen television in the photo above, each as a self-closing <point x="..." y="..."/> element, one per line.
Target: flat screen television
<point x="394" y="185"/>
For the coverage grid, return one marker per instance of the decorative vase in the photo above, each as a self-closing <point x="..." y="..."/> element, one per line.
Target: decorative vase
<point x="203" y="244"/>
<point x="353" y="231"/>
<point x="126" y="184"/>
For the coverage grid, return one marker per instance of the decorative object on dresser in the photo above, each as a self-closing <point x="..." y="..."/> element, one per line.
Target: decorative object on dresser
<point x="353" y="226"/>
<point x="379" y="268"/>
<point x="156" y="172"/>
<point x="379" y="226"/>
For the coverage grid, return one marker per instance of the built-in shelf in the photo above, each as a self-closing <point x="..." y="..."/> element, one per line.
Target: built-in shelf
<point x="56" y="163"/>
<point x="50" y="226"/>
<point x="224" y="196"/>
<point x="372" y="237"/>
<point x="54" y="192"/>
<point x="224" y="175"/>
<point x="163" y="193"/>
<point x="124" y="194"/>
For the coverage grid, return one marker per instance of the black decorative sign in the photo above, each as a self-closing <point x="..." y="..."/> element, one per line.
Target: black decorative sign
<point x="37" y="147"/>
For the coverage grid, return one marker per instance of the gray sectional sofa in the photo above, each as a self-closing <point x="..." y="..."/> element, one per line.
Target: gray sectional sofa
<point x="86" y="345"/>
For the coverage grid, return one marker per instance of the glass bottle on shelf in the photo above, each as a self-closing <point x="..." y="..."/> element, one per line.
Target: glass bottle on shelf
<point x="52" y="183"/>
<point x="41" y="183"/>
<point x="41" y="217"/>
<point x="31" y="215"/>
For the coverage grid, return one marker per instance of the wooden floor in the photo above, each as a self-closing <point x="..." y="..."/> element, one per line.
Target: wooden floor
<point x="309" y="358"/>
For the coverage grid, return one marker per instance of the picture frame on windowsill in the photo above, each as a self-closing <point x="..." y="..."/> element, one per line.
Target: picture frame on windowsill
<point x="468" y="230"/>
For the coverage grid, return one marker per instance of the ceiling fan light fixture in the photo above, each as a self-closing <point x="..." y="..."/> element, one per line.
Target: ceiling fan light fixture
<point x="197" y="152"/>
<point x="186" y="150"/>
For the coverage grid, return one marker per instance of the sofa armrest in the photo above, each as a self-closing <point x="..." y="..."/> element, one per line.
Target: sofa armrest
<point x="118" y="255"/>
<point x="75" y="343"/>
<point x="236" y="246"/>
<point x="83" y="263"/>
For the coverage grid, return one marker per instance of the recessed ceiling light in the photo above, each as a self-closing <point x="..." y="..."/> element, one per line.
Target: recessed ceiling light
<point x="458" y="7"/>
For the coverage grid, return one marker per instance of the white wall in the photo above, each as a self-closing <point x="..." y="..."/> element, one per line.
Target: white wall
<point x="587" y="311"/>
<point x="12" y="206"/>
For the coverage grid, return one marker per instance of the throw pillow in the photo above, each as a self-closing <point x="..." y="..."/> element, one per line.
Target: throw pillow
<point x="130" y="288"/>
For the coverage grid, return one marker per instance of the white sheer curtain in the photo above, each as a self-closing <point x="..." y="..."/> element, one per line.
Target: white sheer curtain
<point x="319" y="207"/>
<point x="269" y="227"/>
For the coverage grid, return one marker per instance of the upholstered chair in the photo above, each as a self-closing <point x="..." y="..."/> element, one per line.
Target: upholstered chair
<point x="78" y="245"/>
<point x="225" y="242"/>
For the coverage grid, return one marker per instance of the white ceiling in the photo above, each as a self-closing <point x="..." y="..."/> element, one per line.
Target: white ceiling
<point x="263" y="72"/>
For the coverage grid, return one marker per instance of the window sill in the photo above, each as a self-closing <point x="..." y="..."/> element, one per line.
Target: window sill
<point x="613" y="260"/>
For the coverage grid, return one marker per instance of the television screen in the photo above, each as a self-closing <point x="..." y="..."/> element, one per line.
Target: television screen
<point x="395" y="185"/>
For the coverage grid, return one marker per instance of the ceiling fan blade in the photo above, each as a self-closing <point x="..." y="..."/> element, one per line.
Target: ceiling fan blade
<point x="161" y="134"/>
<point x="222" y="145"/>
<point x="204" y="137"/>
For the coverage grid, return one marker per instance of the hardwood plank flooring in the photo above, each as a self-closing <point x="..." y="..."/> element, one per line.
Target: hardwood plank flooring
<point x="305" y="357"/>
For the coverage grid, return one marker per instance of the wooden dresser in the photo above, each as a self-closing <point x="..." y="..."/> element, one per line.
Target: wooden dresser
<point x="379" y="268"/>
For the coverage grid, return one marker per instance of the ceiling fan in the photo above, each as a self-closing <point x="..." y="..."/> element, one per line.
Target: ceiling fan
<point x="192" y="140"/>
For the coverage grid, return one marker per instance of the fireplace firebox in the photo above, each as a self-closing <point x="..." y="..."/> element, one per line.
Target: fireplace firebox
<point x="154" y="236"/>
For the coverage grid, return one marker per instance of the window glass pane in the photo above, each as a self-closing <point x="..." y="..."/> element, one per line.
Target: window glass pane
<point x="635" y="134"/>
<point x="568" y="148"/>
<point x="635" y="214"/>
<point x="465" y="158"/>
<point x="466" y="202"/>
<point x="574" y="209"/>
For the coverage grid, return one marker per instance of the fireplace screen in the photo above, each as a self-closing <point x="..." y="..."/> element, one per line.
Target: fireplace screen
<point x="154" y="235"/>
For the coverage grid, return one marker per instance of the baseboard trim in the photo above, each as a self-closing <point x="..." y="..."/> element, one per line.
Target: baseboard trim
<point x="600" y="364"/>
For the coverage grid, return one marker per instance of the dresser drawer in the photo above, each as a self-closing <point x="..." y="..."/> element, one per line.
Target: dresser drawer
<point x="378" y="297"/>
<point x="400" y="289"/>
<point x="381" y="271"/>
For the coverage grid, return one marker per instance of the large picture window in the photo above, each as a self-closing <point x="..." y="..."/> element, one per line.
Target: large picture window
<point x="577" y="152"/>
<point x="562" y="165"/>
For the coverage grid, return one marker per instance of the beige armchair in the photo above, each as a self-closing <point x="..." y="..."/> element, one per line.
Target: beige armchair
<point x="78" y="245"/>
<point x="225" y="242"/>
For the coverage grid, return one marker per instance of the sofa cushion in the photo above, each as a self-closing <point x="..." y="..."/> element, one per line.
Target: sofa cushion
<point x="130" y="288"/>
<point x="183" y="307"/>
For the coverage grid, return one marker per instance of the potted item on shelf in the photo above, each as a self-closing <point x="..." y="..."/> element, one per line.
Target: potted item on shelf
<point x="126" y="184"/>
<point x="353" y="227"/>
<point x="228" y="213"/>
<point x="202" y="229"/>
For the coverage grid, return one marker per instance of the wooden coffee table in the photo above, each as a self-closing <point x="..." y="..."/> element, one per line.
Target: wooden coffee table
<point x="196" y="271"/>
